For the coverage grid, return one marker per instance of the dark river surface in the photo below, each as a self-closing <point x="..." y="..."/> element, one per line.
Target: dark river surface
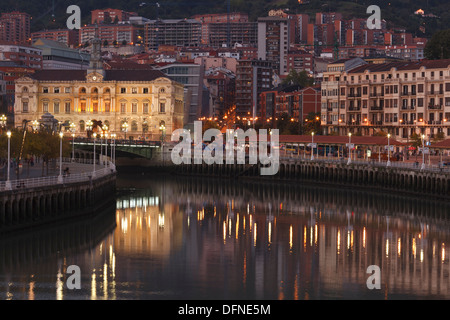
<point x="177" y="238"/>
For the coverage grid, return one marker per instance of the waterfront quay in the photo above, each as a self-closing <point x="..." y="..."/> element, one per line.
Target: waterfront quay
<point x="403" y="177"/>
<point x="78" y="189"/>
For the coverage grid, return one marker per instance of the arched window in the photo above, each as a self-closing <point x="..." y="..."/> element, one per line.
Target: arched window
<point x="82" y="90"/>
<point x="82" y="125"/>
<point x="134" y="126"/>
<point x="25" y="89"/>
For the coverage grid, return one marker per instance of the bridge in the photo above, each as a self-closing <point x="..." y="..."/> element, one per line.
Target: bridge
<point x="123" y="148"/>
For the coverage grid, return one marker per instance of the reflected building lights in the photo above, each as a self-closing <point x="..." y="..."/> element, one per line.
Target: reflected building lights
<point x="399" y="246"/>
<point x="93" y="286"/>
<point x="290" y="237"/>
<point x="59" y="285"/>
<point x="254" y="234"/>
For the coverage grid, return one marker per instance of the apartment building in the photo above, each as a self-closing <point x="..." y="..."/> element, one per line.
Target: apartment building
<point x="252" y="78"/>
<point x="111" y="33"/>
<point x="22" y="54"/>
<point x="15" y="27"/>
<point x="109" y="15"/>
<point x="68" y="37"/>
<point x="273" y="42"/>
<point x="174" y="32"/>
<point x="400" y="98"/>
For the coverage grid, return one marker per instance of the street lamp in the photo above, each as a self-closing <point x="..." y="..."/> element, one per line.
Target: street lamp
<point x="101" y="148"/>
<point x="8" y="182"/>
<point x="312" y="145"/>
<point x="3" y="121"/>
<point x="349" y="148"/>
<point x="113" y="149"/>
<point x="105" y="130"/>
<point x="89" y="126"/>
<point x="389" y="151"/>
<point x="35" y="125"/>
<point x="60" y="178"/>
<point x="125" y="128"/>
<point x="162" y="128"/>
<point x="72" y="129"/>
<point x="95" y="156"/>
<point x="423" y="152"/>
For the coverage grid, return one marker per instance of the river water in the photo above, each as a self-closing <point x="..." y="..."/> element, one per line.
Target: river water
<point x="176" y="238"/>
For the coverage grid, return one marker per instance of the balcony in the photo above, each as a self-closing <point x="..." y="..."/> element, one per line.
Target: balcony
<point x="435" y="107"/>
<point x="376" y="108"/>
<point x="353" y="123"/>
<point x="354" y="108"/>
<point x="404" y="123"/>
<point x="408" y="108"/>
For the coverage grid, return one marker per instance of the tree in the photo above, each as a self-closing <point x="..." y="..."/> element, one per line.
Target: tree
<point x="298" y="78"/>
<point x="439" y="46"/>
<point x="438" y="137"/>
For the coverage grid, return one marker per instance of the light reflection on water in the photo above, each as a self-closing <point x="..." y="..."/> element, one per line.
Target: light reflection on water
<point x="207" y="239"/>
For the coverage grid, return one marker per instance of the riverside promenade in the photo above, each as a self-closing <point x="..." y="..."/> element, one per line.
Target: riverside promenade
<point x="33" y="199"/>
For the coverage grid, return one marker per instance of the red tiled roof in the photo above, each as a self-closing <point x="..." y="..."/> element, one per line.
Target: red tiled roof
<point x="430" y="64"/>
<point x="444" y="144"/>
<point x="110" y="75"/>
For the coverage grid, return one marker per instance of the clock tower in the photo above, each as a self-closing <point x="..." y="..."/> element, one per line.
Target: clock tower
<point x="95" y="71"/>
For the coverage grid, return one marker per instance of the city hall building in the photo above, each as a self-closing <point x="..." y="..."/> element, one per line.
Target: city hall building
<point x="132" y="103"/>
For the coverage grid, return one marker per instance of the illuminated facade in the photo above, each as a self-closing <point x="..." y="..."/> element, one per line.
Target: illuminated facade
<point x="144" y="99"/>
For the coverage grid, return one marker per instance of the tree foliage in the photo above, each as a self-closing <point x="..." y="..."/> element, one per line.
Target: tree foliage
<point x="298" y="78"/>
<point x="438" y="47"/>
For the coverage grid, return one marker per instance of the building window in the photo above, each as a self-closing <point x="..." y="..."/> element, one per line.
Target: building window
<point x="134" y="107"/>
<point x="145" y="90"/>
<point x="123" y="107"/>
<point x="123" y="90"/>
<point x="56" y="107"/>
<point x="67" y="107"/>
<point x="134" y="90"/>
<point x="45" y="107"/>
<point x="45" y="90"/>
<point x="162" y="107"/>
<point x="56" y="90"/>
<point x="25" y="107"/>
<point x="107" y="106"/>
<point x="134" y="126"/>
<point x="83" y="106"/>
<point x="145" y="108"/>
<point x="66" y="90"/>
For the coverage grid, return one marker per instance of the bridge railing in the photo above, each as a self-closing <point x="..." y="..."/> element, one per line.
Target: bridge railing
<point x="54" y="180"/>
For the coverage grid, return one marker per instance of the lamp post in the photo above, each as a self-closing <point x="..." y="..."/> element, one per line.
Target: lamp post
<point x="312" y="145"/>
<point x="89" y="126"/>
<point x="60" y="178"/>
<point x="125" y="128"/>
<point x="349" y="148"/>
<point x="8" y="182"/>
<point x="72" y="129"/>
<point x="101" y="148"/>
<point x="423" y="152"/>
<point x="113" y="148"/>
<point x="389" y="151"/>
<point x="162" y="128"/>
<point x="95" y="156"/>
<point x="35" y="125"/>
<point x="105" y="130"/>
<point x="3" y="121"/>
